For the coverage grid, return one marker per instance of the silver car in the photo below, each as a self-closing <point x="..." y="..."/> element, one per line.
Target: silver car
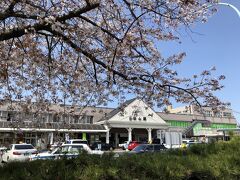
<point x="65" y="151"/>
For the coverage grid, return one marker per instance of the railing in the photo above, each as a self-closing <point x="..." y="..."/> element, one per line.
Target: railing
<point x="204" y="122"/>
<point x="36" y="125"/>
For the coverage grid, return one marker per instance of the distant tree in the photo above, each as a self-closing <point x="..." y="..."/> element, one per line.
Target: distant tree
<point x="80" y="51"/>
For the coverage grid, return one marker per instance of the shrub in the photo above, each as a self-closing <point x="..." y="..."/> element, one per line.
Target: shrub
<point x="220" y="160"/>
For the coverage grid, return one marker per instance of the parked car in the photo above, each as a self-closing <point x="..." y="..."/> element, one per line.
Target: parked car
<point x="54" y="146"/>
<point x="190" y="144"/>
<point x="124" y="145"/>
<point x="132" y="145"/>
<point x="66" y="150"/>
<point x="185" y="142"/>
<point x="18" y="152"/>
<point x="2" y="150"/>
<point x="98" y="145"/>
<point x="76" y="141"/>
<point x="156" y="141"/>
<point x="148" y="148"/>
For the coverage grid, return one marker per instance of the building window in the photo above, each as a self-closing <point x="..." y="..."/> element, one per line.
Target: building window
<point x="65" y="118"/>
<point x="207" y="113"/>
<point x="56" y="118"/>
<point x="28" y="117"/>
<point x="227" y="114"/>
<point x="4" y="114"/>
<point x="144" y="118"/>
<point x="86" y="119"/>
<point x="11" y="116"/>
<point x="43" y="118"/>
<point x="218" y="114"/>
<point x="50" y="117"/>
<point x="76" y="119"/>
<point x="89" y="120"/>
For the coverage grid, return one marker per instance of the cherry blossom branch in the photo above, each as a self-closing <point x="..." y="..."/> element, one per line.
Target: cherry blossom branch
<point x="126" y="77"/>
<point x="18" y="32"/>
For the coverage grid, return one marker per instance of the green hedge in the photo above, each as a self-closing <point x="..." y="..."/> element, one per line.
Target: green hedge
<point x="220" y="160"/>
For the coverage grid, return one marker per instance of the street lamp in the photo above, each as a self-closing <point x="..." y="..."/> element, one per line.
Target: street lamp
<point x="231" y="6"/>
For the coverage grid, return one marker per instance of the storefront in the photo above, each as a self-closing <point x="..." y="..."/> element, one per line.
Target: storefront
<point x="41" y="136"/>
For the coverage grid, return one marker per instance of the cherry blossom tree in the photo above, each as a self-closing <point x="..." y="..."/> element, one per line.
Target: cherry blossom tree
<point x="88" y="51"/>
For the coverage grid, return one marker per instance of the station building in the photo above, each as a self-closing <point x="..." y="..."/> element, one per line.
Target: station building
<point x="133" y="120"/>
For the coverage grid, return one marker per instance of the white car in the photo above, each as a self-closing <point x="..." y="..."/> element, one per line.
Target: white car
<point x="76" y="141"/>
<point x="66" y="150"/>
<point x="124" y="145"/>
<point x="18" y="152"/>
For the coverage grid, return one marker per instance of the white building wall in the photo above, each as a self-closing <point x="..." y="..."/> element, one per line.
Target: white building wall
<point x="138" y="112"/>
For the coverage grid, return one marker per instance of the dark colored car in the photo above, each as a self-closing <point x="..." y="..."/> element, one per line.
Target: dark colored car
<point x="133" y="144"/>
<point x="101" y="146"/>
<point x="148" y="148"/>
<point x="156" y="141"/>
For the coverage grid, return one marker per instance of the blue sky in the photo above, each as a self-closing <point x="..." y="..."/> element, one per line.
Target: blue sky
<point x="215" y="43"/>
